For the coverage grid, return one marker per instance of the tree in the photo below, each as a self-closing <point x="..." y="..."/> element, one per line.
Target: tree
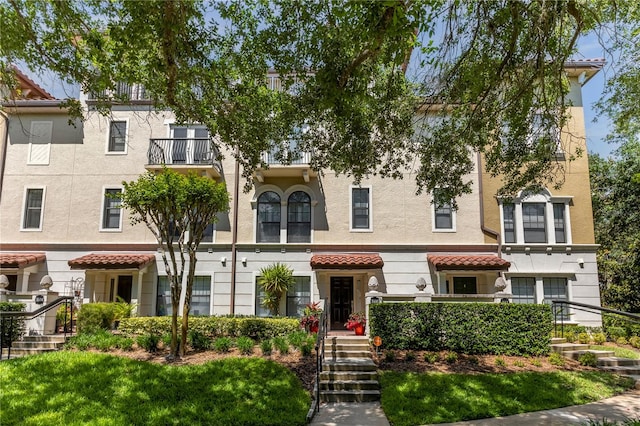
<point x="177" y="209"/>
<point x="615" y="187"/>
<point x="275" y="280"/>
<point x="370" y="87"/>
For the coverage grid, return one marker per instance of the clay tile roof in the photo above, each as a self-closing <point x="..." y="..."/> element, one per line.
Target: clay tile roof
<point x="20" y="260"/>
<point x="346" y="261"/>
<point x="112" y="261"/>
<point x="467" y="262"/>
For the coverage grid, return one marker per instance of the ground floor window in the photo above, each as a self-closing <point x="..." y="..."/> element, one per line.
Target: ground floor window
<point x="556" y="289"/>
<point x="163" y="304"/>
<point x="201" y="296"/>
<point x="523" y="290"/>
<point x="298" y="295"/>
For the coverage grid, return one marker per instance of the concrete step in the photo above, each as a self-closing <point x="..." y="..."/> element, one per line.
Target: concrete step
<point x="566" y="347"/>
<point x="576" y="354"/>
<point x="348" y="375"/>
<point x="35" y="345"/>
<point x="18" y="352"/>
<point x="632" y="370"/>
<point x="349" y="385"/>
<point x="350" y="396"/>
<point x="613" y="361"/>
<point x="346" y="340"/>
<point x="349" y="364"/>
<point x="557" y="340"/>
<point x="346" y="347"/>
<point x="346" y="354"/>
<point x="47" y="338"/>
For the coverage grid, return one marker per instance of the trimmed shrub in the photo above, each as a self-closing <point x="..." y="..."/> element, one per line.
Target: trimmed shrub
<point x="197" y="340"/>
<point x="148" y="342"/>
<point x="451" y="357"/>
<point x="570" y="336"/>
<point x="471" y="328"/>
<point x="14" y="327"/>
<point x="589" y="359"/>
<point x="97" y="316"/>
<point x="599" y="338"/>
<point x="584" y="338"/>
<point x="431" y="357"/>
<point x="222" y="344"/>
<point x="614" y="333"/>
<point x="622" y="340"/>
<point x="245" y="345"/>
<point x="635" y="341"/>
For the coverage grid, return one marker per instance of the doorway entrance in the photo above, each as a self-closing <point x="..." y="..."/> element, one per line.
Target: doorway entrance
<point x="125" y="285"/>
<point x="341" y="301"/>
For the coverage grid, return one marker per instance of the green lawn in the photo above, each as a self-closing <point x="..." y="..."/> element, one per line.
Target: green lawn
<point x="74" y="388"/>
<point x="618" y="351"/>
<point x="410" y="399"/>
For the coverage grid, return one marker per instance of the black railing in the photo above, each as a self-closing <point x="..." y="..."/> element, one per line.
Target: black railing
<point x="320" y="338"/>
<point x="560" y="309"/>
<point x="122" y="92"/>
<point x="10" y="321"/>
<point x="181" y="151"/>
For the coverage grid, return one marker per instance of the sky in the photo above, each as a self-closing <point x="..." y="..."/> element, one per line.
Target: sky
<point x="597" y="127"/>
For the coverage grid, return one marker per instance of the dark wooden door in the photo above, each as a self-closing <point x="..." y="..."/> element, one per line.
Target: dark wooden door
<point x="125" y="285"/>
<point x="341" y="301"/>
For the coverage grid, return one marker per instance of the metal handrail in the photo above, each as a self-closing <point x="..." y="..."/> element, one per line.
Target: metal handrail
<point x="67" y="300"/>
<point x="558" y="306"/>
<point x="322" y="333"/>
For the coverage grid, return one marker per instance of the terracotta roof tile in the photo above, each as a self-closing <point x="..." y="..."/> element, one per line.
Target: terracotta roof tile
<point x="20" y="260"/>
<point x="112" y="261"/>
<point x="467" y="262"/>
<point x="347" y="261"/>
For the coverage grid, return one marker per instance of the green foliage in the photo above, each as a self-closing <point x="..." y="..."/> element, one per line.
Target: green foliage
<point x="518" y="363"/>
<point x="198" y="340"/>
<point x="297" y="339"/>
<point x="556" y="359"/>
<point x="500" y="362"/>
<point x="410" y="356"/>
<point x="102" y="340"/>
<point x="599" y="338"/>
<point x="584" y="338"/>
<point x="431" y="357"/>
<point x="536" y="362"/>
<point x="618" y="322"/>
<point x="451" y="357"/>
<point x="148" y="342"/>
<point x="570" y="336"/>
<point x="73" y="387"/>
<point x="266" y="346"/>
<point x="14" y="327"/>
<point x="222" y="344"/>
<point x="306" y="349"/>
<point x="281" y="344"/>
<point x="416" y="399"/>
<point x="614" y="333"/>
<point x="275" y="280"/>
<point x="635" y="341"/>
<point x="618" y="351"/>
<point x="588" y="359"/>
<point x="472" y="328"/>
<point x="390" y="355"/>
<point x="97" y="316"/>
<point x="622" y="340"/>
<point x="245" y="345"/>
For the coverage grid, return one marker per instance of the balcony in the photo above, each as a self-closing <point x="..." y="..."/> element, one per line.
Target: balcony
<point x="298" y="166"/>
<point x="123" y="93"/>
<point x="184" y="155"/>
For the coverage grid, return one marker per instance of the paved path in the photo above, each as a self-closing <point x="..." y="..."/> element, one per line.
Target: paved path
<point x="618" y="408"/>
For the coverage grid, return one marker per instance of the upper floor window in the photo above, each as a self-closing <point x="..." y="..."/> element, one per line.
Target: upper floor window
<point x="268" y="218"/>
<point x="361" y="209"/>
<point x="40" y="135"/>
<point x="536" y="219"/>
<point x="111" y="210"/>
<point x="33" y="206"/>
<point x="190" y="144"/>
<point x="443" y="214"/>
<point x="299" y="218"/>
<point x="118" y="136"/>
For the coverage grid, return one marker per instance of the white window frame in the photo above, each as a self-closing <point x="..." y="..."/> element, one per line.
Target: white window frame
<point x="126" y="137"/>
<point x="433" y="218"/>
<point x="370" y="190"/>
<point x="102" y="211"/>
<point x="23" y="216"/>
<point x="210" y="293"/>
<point x="46" y="145"/>
<point x="548" y="200"/>
<point x="284" y="203"/>
<point x="283" y="301"/>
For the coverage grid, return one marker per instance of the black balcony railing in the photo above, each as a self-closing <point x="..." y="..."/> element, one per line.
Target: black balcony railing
<point x="123" y="92"/>
<point x="181" y="152"/>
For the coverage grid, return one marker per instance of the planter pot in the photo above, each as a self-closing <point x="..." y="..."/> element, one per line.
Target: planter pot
<point x="359" y="329"/>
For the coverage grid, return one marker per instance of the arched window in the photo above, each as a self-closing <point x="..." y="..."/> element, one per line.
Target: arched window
<point x="299" y="218"/>
<point x="268" y="218"/>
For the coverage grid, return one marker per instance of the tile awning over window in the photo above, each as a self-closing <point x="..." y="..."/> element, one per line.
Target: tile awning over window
<point x="460" y="262"/>
<point x="112" y="261"/>
<point x="20" y="260"/>
<point x="346" y="261"/>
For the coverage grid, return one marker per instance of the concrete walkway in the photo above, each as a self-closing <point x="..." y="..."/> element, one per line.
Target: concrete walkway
<point x="618" y="408"/>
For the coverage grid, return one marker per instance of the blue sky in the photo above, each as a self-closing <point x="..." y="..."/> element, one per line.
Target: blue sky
<point x="588" y="48"/>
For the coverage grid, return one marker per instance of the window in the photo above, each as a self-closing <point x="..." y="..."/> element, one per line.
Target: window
<point x="261" y="310"/>
<point x="558" y="222"/>
<point x="508" y="211"/>
<point x="523" y="290"/>
<point x="201" y="296"/>
<point x="299" y="218"/>
<point x="443" y="217"/>
<point x="111" y="209"/>
<point x="118" y="136"/>
<point x="533" y="223"/>
<point x="40" y="135"/>
<point x="298" y="296"/>
<point x="465" y="285"/>
<point x="268" y="218"/>
<point x="33" y="203"/>
<point x="556" y="289"/>
<point x="163" y="305"/>
<point x="360" y="209"/>
<point x="190" y="145"/>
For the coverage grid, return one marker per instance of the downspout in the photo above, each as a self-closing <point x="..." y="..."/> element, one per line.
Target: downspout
<point x="234" y="233"/>
<point x="5" y="142"/>
<point x="485" y="230"/>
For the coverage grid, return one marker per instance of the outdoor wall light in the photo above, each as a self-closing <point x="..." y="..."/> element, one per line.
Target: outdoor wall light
<point x="244" y="261"/>
<point x="580" y="262"/>
<point x="223" y="260"/>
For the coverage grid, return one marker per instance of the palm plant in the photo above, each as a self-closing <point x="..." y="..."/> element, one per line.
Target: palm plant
<point x="275" y="280"/>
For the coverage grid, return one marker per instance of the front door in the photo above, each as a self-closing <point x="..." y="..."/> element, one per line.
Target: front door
<point x="341" y="301"/>
<point x="125" y="284"/>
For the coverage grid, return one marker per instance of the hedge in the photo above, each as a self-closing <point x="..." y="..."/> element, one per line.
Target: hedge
<point x="613" y="321"/>
<point x="14" y="327"/>
<point x="471" y="328"/>
<point x="255" y="327"/>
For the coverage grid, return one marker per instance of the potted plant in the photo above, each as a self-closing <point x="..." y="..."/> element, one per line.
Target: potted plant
<point x="356" y="322"/>
<point x="310" y="320"/>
